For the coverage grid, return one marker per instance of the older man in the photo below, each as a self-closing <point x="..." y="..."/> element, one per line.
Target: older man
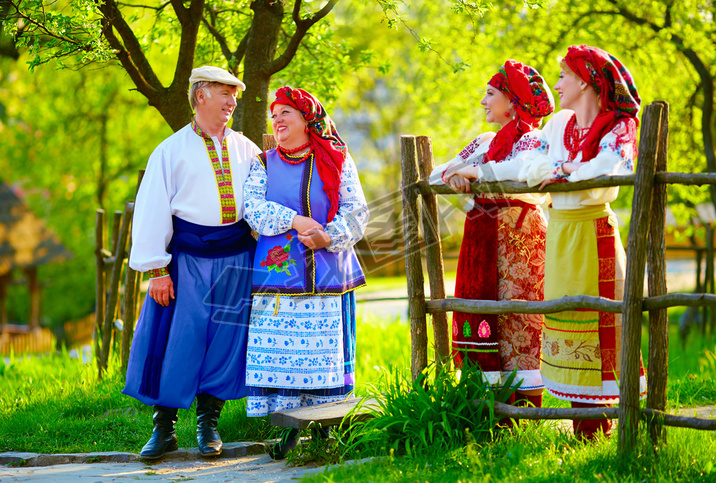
<point x="189" y="234"/>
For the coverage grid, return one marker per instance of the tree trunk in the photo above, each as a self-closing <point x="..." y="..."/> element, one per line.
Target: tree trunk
<point x="260" y="50"/>
<point x="707" y="110"/>
<point x="174" y="106"/>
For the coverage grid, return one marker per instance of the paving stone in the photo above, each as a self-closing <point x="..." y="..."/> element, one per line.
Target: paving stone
<point x="109" y="457"/>
<point x="16" y="458"/>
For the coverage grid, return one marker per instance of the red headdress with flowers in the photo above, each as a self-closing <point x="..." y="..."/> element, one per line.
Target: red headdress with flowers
<point x="617" y="93"/>
<point x="329" y="148"/>
<point x="531" y="98"/>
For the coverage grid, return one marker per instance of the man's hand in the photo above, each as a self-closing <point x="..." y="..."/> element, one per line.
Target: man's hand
<point x="459" y="183"/>
<point x="302" y="224"/>
<point x="315" y="238"/>
<point x="161" y="290"/>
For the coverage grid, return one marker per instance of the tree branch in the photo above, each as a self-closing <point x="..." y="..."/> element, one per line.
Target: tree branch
<point x="220" y="39"/>
<point x="241" y="49"/>
<point x="43" y="28"/>
<point x="180" y="10"/>
<point x="187" y="44"/>
<point x="148" y="7"/>
<point x="126" y="60"/>
<point x="129" y="51"/>
<point x="302" y="26"/>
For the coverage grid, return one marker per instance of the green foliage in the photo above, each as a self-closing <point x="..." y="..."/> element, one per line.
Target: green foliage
<point x="52" y="31"/>
<point x="429" y="414"/>
<point x="72" y="142"/>
<point x="318" y="450"/>
<point x="542" y="453"/>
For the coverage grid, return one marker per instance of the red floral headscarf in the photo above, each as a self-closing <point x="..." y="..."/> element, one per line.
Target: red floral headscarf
<point x="531" y="98"/>
<point x="617" y="93"/>
<point x="329" y="148"/>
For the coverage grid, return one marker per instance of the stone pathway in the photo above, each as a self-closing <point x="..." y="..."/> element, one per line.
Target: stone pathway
<point x="240" y="462"/>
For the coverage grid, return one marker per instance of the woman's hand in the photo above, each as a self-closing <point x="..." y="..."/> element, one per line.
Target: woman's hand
<point x="545" y="183"/>
<point x="161" y="290"/>
<point x="570" y="168"/>
<point x="469" y="172"/>
<point x="315" y="238"/>
<point x="459" y="183"/>
<point x="302" y="224"/>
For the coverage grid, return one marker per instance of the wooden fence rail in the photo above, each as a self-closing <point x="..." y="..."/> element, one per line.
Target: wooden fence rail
<point x="645" y="251"/>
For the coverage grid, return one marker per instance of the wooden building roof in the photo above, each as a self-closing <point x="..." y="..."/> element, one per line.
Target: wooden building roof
<point x="25" y="240"/>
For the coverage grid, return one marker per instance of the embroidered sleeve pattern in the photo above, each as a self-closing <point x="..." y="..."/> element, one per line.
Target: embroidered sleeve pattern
<point x="158" y="272"/>
<point x="472" y="155"/>
<point x="348" y="226"/>
<point x="266" y="217"/>
<point x="615" y="157"/>
<point x="558" y="174"/>
<point x="529" y="143"/>
<point x="509" y="168"/>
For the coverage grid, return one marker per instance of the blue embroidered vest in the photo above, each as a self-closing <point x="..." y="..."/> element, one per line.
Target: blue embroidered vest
<point x="283" y="265"/>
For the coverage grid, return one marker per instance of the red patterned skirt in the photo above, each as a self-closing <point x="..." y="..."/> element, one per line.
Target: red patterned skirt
<point x="501" y="258"/>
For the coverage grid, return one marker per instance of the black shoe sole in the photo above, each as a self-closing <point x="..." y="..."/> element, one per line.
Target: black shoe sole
<point x="213" y="453"/>
<point x="169" y="449"/>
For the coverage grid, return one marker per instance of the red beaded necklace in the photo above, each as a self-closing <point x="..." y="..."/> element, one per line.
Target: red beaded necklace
<point x="295" y="150"/>
<point x="574" y="136"/>
<point x="288" y="154"/>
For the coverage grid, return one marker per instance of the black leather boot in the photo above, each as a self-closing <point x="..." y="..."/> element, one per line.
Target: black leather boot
<point x="163" y="437"/>
<point x="208" y="409"/>
<point x="288" y="441"/>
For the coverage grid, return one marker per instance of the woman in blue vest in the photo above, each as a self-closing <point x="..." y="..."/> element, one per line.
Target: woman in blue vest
<point x="305" y="201"/>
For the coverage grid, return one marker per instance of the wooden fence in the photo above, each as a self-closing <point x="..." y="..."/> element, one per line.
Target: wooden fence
<point x="31" y="342"/>
<point x="645" y="248"/>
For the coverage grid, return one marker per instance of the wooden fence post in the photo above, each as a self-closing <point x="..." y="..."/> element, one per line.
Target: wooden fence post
<point x="656" y="267"/>
<point x="120" y="252"/>
<point x="711" y="281"/>
<point x="99" y="285"/>
<point x="269" y="142"/>
<point x="434" y="254"/>
<point x="133" y="278"/>
<point x="634" y="280"/>
<point x="413" y="265"/>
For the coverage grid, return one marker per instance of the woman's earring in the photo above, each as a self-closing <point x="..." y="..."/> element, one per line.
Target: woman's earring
<point x="305" y="129"/>
<point x="507" y="114"/>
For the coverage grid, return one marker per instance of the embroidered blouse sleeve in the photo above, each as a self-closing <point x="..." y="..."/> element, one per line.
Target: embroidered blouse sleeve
<point x="615" y="157"/>
<point x="266" y="217"/>
<point x="348" y="226"/>
<point x="474" y="151"/>
<point x="152" y="227"/>
<point x="537" y="166"/>
<point x="509" y="169"/>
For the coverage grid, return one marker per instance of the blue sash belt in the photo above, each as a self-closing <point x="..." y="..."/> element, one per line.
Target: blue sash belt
<point x="198" y="241"/>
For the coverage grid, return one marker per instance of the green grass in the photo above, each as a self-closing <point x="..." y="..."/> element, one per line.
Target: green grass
<point x="541" y="453"/>
<point x="547" y="451"/>
<point x="55" y="404"/>
<point x="381" y="284"/>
